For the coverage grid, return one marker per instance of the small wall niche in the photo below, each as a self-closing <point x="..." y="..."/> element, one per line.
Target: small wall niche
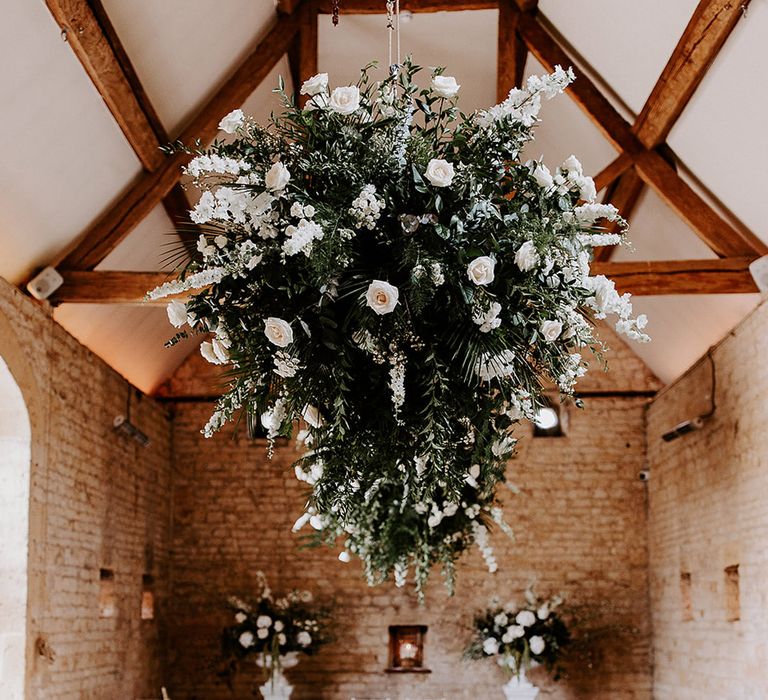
<point x="147" y="597"/>
<point x="107" y="597"/>
<point x="685" y="596"/>
<point x="732" y="597"/>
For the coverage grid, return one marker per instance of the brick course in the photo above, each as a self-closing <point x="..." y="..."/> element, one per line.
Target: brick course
<point x="708" y="511"/>
<point x="97" y="501"/>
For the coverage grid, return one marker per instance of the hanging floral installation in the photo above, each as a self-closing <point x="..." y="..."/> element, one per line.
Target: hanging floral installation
<point x="391" y="273"/>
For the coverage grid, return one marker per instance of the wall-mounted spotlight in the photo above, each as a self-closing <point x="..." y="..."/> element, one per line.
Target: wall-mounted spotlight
<point x="759" y="271"/>
<point x="123" y="425"/>
<point x="687" y="426"/>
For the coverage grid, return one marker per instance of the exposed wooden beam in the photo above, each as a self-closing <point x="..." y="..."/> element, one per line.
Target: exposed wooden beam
<point x="611" y="172"/>
<point x="303" y="52"/>
<point x="719" y="276"/>
<point x="709" y="28"/>
<point x="723" y="238"/>
<point x="376" y="7"/>
<point x="91" y="44"/>
<point x="150" y="188"/>
<point x="512" y="51"/>
<point x="108" y="287"/>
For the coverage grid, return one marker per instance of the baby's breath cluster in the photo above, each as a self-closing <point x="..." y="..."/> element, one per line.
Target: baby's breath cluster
<point x="393" y="275"/>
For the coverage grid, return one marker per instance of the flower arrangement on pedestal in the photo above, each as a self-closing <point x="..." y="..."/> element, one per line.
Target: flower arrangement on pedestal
<point x="393" y="273"/>
<point x="273" y="632"/>
<point x="519" y="638"/>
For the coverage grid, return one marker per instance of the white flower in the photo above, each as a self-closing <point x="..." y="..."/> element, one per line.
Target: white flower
<point x="480" y="270"/>
<point x="262" y="633"/>
<point x="246" y="639"/>
<point x="501" y="619"/>
<point x="344" y="556"/>
<point x="550" y="330"/>
<point x="263" y="621"/>
<point x="543" y="612"/>
<point x="491" y="646"/>
<point x="542" y="176"/>
<point x="304" y="638"/>
<point x="537" y="645"/>
<point x="445" y="86"/>
<point x="277" y="177"/>
<point x="382" y="297"/>
<point x="240" y="618"/>
<point x="439" y="172"/>
<point x="315" y="85"/>
<point x="311" y="414"/>
<point x="488" y="320"/>
<point x="177" y="313"/>
<point x="232" y="122"/>
<point x="208" y="351"/>
<point x="345" y="100"/>
<point x="527" y="257"/>
<point x="513" y="632"/>
<point x="503" y="446"/>
<point x="525" y="618"/>
<point x="278" y="332"/>
<point x="203" y="211"/>
<point x="281" y="639"/>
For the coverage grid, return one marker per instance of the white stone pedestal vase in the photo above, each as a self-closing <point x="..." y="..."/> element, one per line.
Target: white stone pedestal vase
<point x="520" y="688"/>
<point x="277" y="687"/>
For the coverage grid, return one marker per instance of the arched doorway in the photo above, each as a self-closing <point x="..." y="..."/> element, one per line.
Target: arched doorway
<point x="15" y="460"/>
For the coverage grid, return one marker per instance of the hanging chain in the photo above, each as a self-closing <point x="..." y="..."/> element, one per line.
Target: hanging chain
<point x="393" y="27"/>
<point x="335" y="11"/>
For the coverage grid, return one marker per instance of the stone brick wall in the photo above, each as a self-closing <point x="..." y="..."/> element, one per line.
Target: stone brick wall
<point x="708" y="513"/>
<point x="580" y="523"/>
<point x="98" y="501"/>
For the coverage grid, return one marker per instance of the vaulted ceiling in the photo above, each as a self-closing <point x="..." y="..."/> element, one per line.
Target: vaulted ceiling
<point x="665" y="114"/>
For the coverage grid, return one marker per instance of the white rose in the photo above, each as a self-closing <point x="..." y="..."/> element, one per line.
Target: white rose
<point x="550" y="330"/>
<point x="246" y="639"/>
<point x="480" y="270"/>
<point x="445" y="86"/>
<point x="542" y="176"/>
<point x="345" y="100"/>
<point x="439" y="172"/>
<point x="278" y="332"/>
<point x="263" y="621"/>
<point x="537" y="645"/>
<point x="240" y="618"/>
<point x="491" y="646"/>
<point x="177" y="313"/>
<point x="207" y="351"/>
<point x="311" y="414"/>
<point x="304" y="638"/>
<point x="315" y="85"/>
<point x="382" y="297"/>
<point x="232" y="122"/>
<point x="525" y="618"/>
<point x="277" y="177"/>
<point x="527" y="257"/>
